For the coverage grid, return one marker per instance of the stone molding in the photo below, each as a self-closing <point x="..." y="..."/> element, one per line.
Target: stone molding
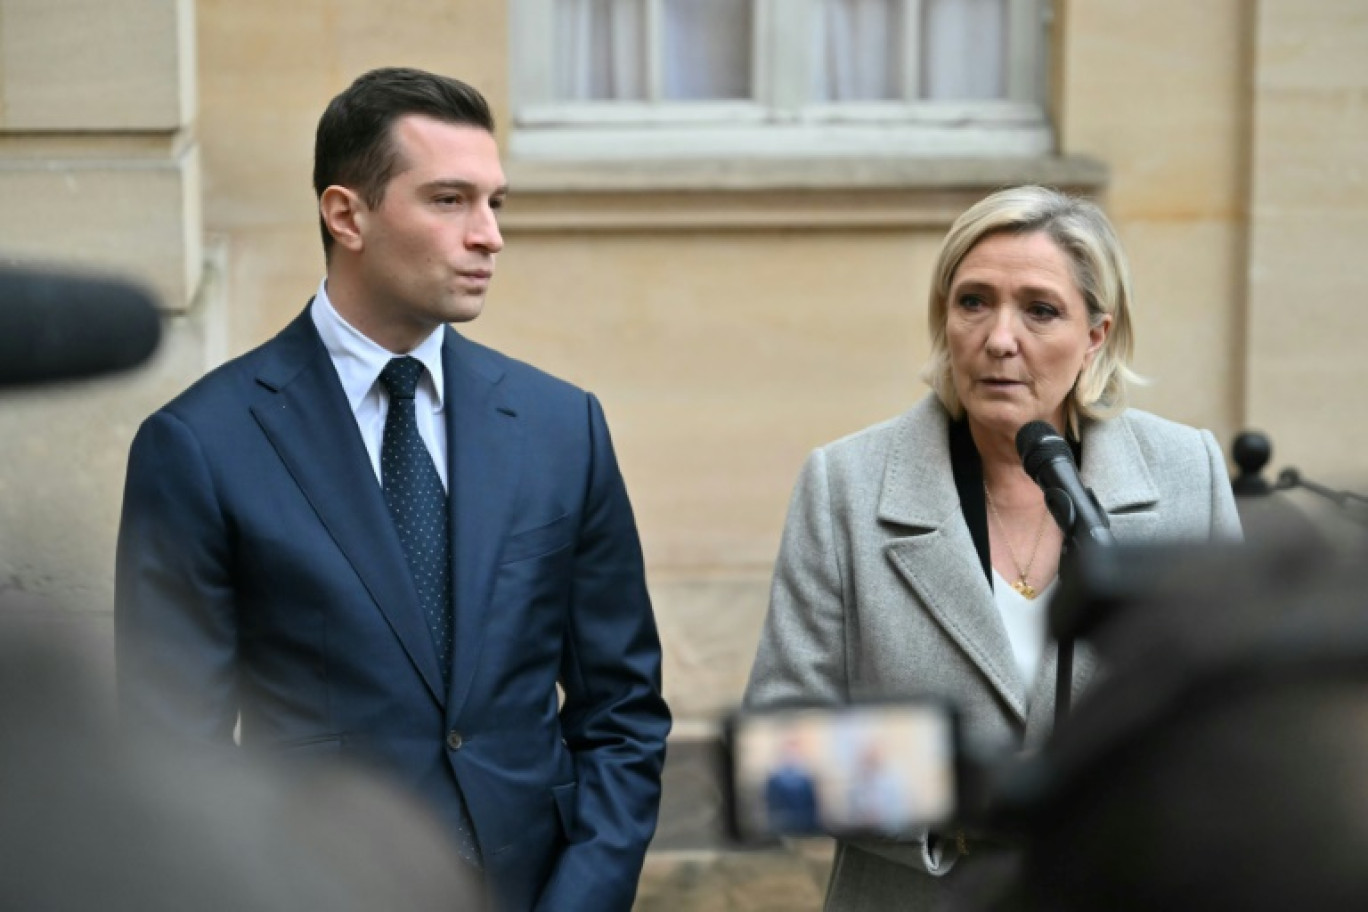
<point x="769" y="194"/>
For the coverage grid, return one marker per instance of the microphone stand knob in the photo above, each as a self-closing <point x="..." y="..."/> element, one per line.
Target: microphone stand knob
<point x="1251" y="451"/>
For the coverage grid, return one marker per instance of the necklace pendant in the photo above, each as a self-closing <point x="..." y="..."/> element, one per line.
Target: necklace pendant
<point x="1026" y="589"/>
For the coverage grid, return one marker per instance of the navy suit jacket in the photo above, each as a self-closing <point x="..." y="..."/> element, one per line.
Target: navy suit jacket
<point x="259" y="574"/>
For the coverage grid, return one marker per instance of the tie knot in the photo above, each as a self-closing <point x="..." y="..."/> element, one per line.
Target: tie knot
<point x="400" y="377"/>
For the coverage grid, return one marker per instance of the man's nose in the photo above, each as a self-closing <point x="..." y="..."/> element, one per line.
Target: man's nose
<point x="483" y="232"/>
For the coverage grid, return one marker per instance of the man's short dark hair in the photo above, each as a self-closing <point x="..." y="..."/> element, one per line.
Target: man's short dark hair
<point x="354" y="146"/>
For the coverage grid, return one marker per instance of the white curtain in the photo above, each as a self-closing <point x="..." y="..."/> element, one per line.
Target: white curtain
<point x="964" y="49"/>
<point x="707" y="49"/>
<point x="602" y="54"/>
<point x="860" y="55"/>
<point x="858" y="50"/>
<point x="600" y="50"/>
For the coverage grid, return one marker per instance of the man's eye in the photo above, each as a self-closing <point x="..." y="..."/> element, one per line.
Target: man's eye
<point x="496" y="203"/>
<point x="448" y="200"/>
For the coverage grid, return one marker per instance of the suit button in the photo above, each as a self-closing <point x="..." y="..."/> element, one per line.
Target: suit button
<point x="454" y="740"/>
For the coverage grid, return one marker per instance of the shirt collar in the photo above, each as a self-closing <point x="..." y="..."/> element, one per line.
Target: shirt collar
<point x="359" y="359"/>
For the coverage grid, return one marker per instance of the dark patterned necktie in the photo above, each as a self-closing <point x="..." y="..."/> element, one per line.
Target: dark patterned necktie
<point x="418" y="503"/>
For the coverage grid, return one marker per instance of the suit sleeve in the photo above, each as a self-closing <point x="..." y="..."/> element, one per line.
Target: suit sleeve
<point x="801" y="656"/>
<point x="614" y="719"/>
<point x="175" y="632"/>
<point x="1225" y="519"/>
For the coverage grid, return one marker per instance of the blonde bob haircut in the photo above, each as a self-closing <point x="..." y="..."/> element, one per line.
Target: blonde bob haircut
<point x="1100" y="271"/>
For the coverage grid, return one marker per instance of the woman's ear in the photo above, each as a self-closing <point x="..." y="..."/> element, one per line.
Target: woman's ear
<point x="1097" y="336"/>
<point x="344" y="214"/>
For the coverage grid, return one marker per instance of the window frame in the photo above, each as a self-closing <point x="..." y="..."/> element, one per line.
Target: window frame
<point x="779" y="120"/>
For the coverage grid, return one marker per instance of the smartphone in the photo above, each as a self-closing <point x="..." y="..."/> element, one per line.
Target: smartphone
<point x="884" y="770"/>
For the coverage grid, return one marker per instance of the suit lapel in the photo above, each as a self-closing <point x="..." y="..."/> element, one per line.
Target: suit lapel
<point x="311" y="426"/>
<point x="931" y="548"/>
<point x="485" y="455"/>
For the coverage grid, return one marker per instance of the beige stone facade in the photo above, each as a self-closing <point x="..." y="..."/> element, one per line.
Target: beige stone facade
<point x="730" y="316"/>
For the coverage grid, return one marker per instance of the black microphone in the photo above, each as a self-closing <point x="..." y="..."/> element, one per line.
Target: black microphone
<point x="1047" y="458"/>
<point x="60" y="326"/>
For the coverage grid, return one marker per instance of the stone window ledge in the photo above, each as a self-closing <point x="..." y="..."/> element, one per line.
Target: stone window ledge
<point x="769" y="194"/>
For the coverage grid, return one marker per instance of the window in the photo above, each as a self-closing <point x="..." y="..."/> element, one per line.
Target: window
<point x="615" y="79"/>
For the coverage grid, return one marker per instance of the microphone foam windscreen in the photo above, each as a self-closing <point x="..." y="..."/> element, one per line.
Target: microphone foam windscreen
<point x="1038" y="443"/>
<point x="58" y="326"/>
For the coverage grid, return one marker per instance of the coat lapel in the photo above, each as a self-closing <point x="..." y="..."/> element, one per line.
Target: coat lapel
<point x="485" y="456"/>
<point x="1114" y="467"/>
<point x="931" y="548"/>
<point x="311" y="426"/>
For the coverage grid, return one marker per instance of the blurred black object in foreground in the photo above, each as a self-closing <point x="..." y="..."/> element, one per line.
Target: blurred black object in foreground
<point x="61" y="326"/>
<point x="91" y="818"/>
<point x="1219" y="762"/>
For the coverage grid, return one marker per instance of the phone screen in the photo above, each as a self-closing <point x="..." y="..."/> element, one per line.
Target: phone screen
<point x="883" y="770"/>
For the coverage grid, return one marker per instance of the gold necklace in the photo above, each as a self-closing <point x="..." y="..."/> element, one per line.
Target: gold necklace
<point x="1021" y="585"/>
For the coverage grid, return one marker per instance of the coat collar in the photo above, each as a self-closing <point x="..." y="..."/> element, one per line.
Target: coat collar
<point x="930" y="545"/>
<point x="919" y="487"/>
<point x="1115" y="468"/>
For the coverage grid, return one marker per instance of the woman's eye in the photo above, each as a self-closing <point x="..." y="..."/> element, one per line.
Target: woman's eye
<point x="970" y="302"/>
<point x="1041" y="311"/>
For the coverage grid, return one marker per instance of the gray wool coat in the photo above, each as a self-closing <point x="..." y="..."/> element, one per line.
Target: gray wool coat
<point x="878" y="591"/>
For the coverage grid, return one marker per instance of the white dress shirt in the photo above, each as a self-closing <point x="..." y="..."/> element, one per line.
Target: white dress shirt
<point x="359" y="361"/>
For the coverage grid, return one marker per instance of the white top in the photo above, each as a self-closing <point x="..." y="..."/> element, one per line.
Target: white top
<point x="359" y="361"/>
<point x="1026" y="621"/>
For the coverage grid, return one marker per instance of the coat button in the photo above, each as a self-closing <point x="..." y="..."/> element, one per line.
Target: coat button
<point x="454" y="740"/>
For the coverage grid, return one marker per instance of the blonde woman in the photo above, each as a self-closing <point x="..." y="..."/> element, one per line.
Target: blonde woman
<point x="918" y="556"/>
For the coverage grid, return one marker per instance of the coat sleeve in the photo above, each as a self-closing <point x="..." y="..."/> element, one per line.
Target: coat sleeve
<point x="1225" y="519"/>
<point x="802" y="655"/>
<point x="614" y="719"/>
<point x="174" y="617"/>
<point x="802" y="651"/>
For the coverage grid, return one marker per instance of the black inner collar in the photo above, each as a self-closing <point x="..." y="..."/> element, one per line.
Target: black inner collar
<point x="968" y="470"/>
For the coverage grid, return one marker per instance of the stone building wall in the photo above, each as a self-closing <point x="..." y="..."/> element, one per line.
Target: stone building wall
<point x="99" y="171"/>
<point x="1307" y="206"/>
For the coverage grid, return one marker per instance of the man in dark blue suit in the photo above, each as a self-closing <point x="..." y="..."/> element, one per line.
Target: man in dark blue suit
<point x="372" y="538"/>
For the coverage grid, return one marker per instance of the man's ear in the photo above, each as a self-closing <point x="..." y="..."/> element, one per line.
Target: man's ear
<point x="344" y="214"/>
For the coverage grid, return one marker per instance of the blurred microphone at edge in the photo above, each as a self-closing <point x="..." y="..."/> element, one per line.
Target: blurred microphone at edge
<point x="64" y="325"/>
